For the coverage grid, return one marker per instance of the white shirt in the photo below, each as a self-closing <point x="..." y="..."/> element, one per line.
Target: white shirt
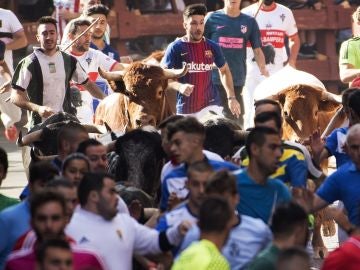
<point x="274" y="25"/>
<point x="92" y="60"/>
<point x="9" y="23"/>
<point x="54" y="79"/>
<point x="118" y="239"/>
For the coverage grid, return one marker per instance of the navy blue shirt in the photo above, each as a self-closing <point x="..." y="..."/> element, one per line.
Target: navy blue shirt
<point x="108" y="50"/>
<point x="232" y="34"/>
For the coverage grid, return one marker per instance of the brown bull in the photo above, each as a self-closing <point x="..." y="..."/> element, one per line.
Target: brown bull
<point x="142" y="99"/>
<point x="305" y="108"/>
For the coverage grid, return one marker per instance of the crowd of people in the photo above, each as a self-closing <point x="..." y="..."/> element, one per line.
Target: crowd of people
<point x="249" y="207"/>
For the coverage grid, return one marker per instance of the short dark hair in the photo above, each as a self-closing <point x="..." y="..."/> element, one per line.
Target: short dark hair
<point x="97" y="9"/>
<point x="267" y="116"/>
<point x="43" y="197"/>
<point x="75" y="156"/>
<point x="75" y="24"/>
<point x="69" y="131"/>
<point x="90" y="182"/>
<point x="286" y="256"/>
<point x="346" y="94"/>
<point x="221" y="182"/>
<point x="47" y="20"/>
<point x="195" y="9"/>
<point x="59" y="182"/>
<point x="4" y="159"/>
<point x="257" y="136"/>
<point x="216" y="219"/>
<point x="42" y="170"/>
<point x="286" y="218"/>
<point x="40" y="250"/>
<point x="188" y="125"/>
<point x="87" y="143"/>
<point x="268" y="101"/>
<point x="199" y="166"/>
<point x="354" y="102"/>
<point x="170" y="119"/>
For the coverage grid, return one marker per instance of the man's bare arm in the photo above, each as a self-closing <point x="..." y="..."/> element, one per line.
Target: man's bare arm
<point x="227" y="82"/>
<point x="294" y="45"/>
<point x="19" y="41"/>
<point x="20" y="99"/>
<point x="260" y="61"/>
<point x="94" y="90"/>
<point x="348" y="73"/>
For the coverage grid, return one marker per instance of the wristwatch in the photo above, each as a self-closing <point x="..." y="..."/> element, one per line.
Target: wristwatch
<point x="232" y="97"/>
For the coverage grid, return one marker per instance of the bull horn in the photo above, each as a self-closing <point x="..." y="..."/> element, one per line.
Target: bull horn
<point x="339" y="117"/>
<point x="175" y="73"/>
<point x="325" y="95"/>
<point x="91" y="128"/>
<point x="28" y="139"/>
<point x="111" y="75"/>
<point x="241" y="135"/>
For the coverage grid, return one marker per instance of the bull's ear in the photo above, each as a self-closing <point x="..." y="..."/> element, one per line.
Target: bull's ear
<point x="279" y="97"/>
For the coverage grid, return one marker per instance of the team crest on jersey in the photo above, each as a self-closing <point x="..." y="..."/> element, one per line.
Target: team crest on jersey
<point x="88" y="60"/>
<point x="208" y="54"/>
<point x="282" y="17"/>
<point x="243" y="29"/>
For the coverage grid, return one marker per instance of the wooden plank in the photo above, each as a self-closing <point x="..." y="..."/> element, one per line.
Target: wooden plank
<point x="320" y="69"/>
<point x="131" y="27"/>
<point x="307" y="19"/>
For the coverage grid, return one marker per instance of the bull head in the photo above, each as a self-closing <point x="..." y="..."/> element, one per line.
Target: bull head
<point x="119" y="76"/>
<point x="305" y="108"/>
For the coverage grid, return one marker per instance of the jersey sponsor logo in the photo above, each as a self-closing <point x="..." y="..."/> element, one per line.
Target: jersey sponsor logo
<point x="197" y="67"/>
<point x="231" y="43"/>
<point x="243" y="29"/>
<point x="183" y="54"/>
<point x="274" y="37"/>
<point x="220" y="27"/>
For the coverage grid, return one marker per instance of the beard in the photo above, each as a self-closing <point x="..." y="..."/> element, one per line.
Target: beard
<point x="48" y="235"/>
<point x="82" y="48"/>
<point x="97" y="35"/>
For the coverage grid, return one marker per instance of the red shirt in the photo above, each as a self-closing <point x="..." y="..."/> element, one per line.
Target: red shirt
<point x="23" y="256"/>
<point x="347" y="256"/>
<point x="25" y="259"/>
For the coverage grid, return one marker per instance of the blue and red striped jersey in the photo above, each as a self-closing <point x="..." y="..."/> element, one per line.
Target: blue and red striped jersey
<point x="199" y="58"/>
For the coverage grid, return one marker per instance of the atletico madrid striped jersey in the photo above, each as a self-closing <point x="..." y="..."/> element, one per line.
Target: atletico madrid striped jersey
<point x="199" y="58"/>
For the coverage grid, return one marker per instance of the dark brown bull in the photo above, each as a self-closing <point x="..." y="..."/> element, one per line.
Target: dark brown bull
<point x="142" y="99"/>
<point x="305" y="108"/>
